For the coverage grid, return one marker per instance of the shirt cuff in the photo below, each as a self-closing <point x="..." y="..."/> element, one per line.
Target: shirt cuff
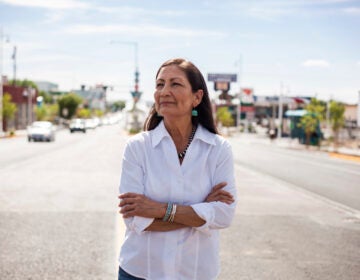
<point x="139" y="224"/>
<point x="206" y="212"/>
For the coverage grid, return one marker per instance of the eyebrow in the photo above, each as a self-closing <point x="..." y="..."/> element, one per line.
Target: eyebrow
<point x="171" y="80"/>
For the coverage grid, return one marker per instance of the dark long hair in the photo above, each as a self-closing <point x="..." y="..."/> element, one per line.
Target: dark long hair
<point x="197" y="81"/>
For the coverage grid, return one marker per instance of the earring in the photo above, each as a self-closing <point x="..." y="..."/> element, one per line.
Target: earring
<point x="194" y="113"/>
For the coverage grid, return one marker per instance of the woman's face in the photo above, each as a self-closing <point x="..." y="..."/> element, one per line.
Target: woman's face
<point x="173" y="94"/>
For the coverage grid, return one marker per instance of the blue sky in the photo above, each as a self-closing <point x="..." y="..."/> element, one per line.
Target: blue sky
<point x="310" y="47"/>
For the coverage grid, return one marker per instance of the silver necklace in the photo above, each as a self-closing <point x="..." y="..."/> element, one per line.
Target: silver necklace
<point x="182" y="154"/>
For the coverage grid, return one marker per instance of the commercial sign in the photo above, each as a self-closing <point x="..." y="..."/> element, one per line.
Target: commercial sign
<point x="219" y="85"/>
<point x="247" y="96"/>
<point x="222" y="77"/>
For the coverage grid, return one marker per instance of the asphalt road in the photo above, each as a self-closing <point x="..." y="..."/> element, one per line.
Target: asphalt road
<point x="58" y="206"/>
<point x="58" y="212"/>
<point x="335" y="179"/>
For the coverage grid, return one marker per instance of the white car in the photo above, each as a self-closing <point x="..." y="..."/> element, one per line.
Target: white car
<point x="77" y="125"/>
<point x="41" y="131"/>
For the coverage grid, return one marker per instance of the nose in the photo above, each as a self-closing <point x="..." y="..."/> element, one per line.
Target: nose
<point x="165" y="90"/>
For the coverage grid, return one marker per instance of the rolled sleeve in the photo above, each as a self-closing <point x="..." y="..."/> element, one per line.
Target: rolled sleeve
<point x="138" y="224"/>
<point x="205" y="212"/>
<point x="218" y="215"/>
<point x="131" y="180"/>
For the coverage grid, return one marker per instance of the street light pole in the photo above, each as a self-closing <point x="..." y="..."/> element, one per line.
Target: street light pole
<point x="1" y="81"/>
<point x="2" y="37"/>
<point x="136" y="93"/>
<point x="135" y="45"/>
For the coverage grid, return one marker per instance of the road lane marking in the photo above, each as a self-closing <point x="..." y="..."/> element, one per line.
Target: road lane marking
<point x="346" y="157"/>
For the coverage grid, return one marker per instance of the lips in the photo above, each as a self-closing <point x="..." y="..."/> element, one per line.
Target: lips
<point x="164" y="103"/>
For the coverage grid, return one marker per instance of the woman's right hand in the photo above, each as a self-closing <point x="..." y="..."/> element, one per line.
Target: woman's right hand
<point x="218" y="194"/>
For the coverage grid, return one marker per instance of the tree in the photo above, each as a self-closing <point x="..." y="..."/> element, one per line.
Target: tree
<point x="68" y="105"/>
<point x="337" y="118"/>
<point x="311" y="120"/>
<point x="224" y="116"/>
<point x="99" y="113"/>
<point x="118" y="105"/>
<point x="40" y="113"/>
<point x="9" y="108"/>
<point x="24" y="83"/>
<point x="83" y="113"/>
<point x="47" y="98"/>
<point x="47" y="112"/>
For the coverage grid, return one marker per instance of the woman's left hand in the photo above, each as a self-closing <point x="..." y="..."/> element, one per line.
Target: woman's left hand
<point x="133" y="204"/>
<point x="218" y="194"/>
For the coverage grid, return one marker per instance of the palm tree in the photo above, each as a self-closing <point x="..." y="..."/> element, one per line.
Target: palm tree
<point x="337" y="119"/>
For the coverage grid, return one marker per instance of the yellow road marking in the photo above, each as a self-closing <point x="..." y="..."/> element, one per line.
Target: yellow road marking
<point x="346" y="157"/>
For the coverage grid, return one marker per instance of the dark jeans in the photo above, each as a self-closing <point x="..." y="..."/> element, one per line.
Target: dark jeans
<point x="123" y="275"/>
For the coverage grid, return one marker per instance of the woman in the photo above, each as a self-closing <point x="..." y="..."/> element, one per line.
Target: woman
<point x="177" y="183"/>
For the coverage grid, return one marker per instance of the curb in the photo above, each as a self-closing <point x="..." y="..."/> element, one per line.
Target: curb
<point x="344" y="156"/>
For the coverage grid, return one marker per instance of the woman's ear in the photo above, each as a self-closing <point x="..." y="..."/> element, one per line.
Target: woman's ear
<point x="198" y="95"/>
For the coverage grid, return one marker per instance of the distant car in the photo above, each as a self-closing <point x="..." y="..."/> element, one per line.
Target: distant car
<point x="77" y="125"/>
<point x="91" y="123"/>
<point x="41" y="131"/>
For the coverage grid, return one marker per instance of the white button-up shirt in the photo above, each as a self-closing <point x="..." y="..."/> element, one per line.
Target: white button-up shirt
<point x="151" y="167"/>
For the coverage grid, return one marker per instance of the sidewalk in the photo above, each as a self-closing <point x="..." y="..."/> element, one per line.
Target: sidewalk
<point x="288" y="143"/>
<point x="17" y="133"/>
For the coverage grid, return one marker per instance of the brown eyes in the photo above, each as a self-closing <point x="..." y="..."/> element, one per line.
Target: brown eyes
<point x="160" y="85"/>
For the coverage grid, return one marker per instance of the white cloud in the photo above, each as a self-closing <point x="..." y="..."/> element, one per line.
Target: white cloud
<point x="140" y="30"/>
<point x="274" y="9"/>
<point x="269" y="13"/>
<point x="54" y="16"/>
<point x="352" y="11"/>
<point x="316" y="63"/>
<point x="63" y="4"/>
<point x="127" y="12"/>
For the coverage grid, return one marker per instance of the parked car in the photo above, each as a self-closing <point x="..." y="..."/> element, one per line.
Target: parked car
<point x="41" y="131"/>
<point x="77" y="125"/>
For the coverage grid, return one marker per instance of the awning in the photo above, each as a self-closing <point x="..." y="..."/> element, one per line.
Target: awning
<point x="295" y="113"/>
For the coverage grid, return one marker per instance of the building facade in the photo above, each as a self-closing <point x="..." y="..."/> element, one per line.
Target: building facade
<point x="25" y="101"/>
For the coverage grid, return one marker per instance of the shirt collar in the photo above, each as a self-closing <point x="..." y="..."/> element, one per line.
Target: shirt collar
<point x="202" y="134"/>
<point x="159" y="133"/>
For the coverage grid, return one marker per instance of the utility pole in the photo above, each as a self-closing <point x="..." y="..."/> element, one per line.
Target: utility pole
<point x="30" y="93"/>
<point x="358" y="111"/>
<point x="1" y="81"/>
<point x="280" y="113"/>
<point x="238" y="111"/>
<point x="2" y="37"/>
<point x="328" y="114"/>
<point x="14" y="65"/>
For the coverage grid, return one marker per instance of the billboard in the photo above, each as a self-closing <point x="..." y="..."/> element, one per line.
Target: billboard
<point x="222" y="77"/>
